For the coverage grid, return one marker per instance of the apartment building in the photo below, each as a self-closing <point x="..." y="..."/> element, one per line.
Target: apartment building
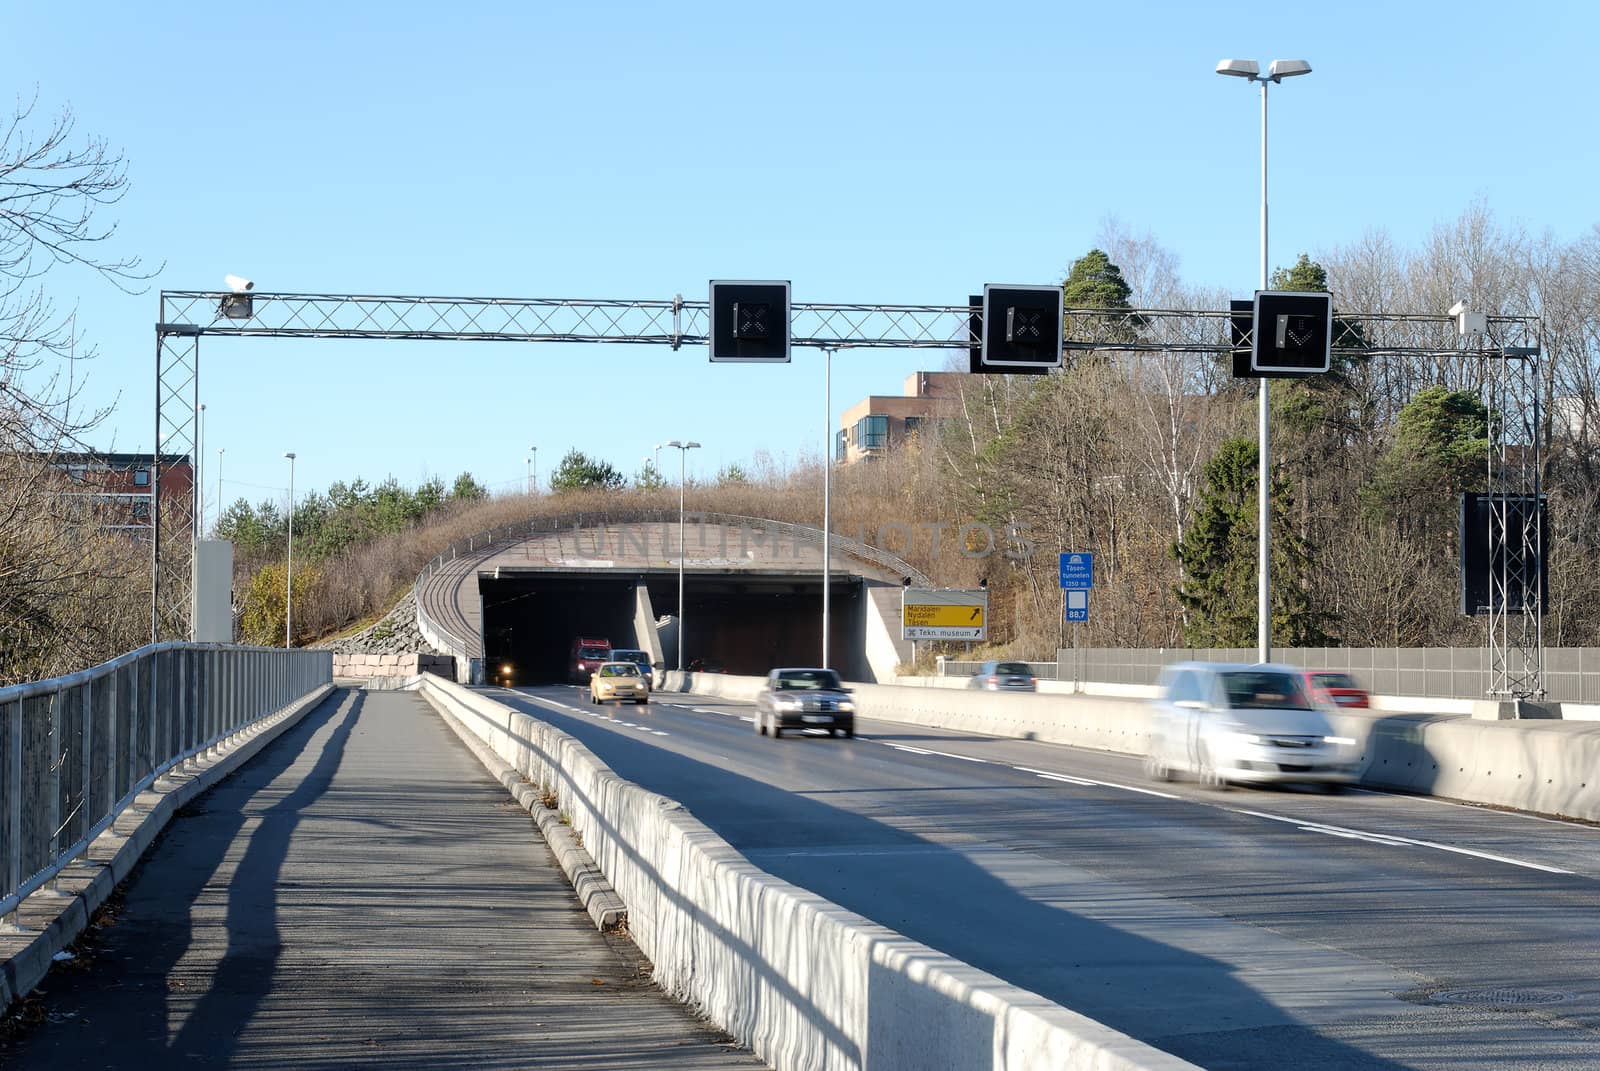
<point x="878" y="423"/>
<point x="117" y="488"/>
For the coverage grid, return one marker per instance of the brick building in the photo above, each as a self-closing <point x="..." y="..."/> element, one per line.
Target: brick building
<point x="116" y="488"/>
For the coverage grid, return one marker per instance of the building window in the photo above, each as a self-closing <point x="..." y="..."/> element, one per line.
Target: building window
<point x="141" y="477"/>
<point x="912" y="424"/>
<point x="872" y="432"/>
<point x="141" y="511"/>
<point x="841" y="446"/>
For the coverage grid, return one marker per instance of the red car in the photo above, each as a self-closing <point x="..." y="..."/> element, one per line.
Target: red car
<point x="1340" y="689"/>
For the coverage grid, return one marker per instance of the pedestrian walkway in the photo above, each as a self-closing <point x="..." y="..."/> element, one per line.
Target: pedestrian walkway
<point x="361" y="894"/>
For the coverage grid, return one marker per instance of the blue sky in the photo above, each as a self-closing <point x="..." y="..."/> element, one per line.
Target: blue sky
<point x="631" y="150"/>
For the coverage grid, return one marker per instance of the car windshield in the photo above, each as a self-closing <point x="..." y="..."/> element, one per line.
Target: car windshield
<point x="1335" y="680"/>
<point x="1264" y="690"/>
<point x="638" y="657"/>
<point x="1014" y="668"/>
<point x="627" y="670"/>
<point x="808" y="680"/>
<point x="593" y="652"/>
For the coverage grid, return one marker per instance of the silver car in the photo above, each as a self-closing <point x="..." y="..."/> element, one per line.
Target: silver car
<point x="1250" y="724"/>
<point x="1004" y="677"/>
<point x="805" y="699"/>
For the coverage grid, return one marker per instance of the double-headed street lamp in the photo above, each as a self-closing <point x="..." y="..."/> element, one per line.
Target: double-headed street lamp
<point x="288" y="588"/>
<point x="1277" y="71"/>
<point x="683" y="450"/>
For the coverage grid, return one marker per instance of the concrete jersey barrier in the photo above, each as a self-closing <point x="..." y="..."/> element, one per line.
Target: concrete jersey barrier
<point x="803" y="982"/>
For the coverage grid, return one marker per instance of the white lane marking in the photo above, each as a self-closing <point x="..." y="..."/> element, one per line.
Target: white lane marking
<point x="1091" y="782"/>
<point x="941" y="754"/>
<point x="1396" y="841"/>
<point x="658" y="732"/>
<point x="748" y="721"/>
<point x="703" y="710"/>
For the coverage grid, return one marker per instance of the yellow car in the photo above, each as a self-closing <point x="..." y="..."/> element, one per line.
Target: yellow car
<point x="621" y="681"/>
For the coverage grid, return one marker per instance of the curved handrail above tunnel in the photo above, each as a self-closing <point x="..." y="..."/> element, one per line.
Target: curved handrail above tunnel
<point x="483" y="544"/>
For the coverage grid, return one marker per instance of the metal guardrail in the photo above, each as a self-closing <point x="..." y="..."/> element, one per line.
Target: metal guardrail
<point x="75" y="751"/>
<point x="510" y="533"/>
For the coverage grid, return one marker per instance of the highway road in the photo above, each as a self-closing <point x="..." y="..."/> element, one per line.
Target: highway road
<point x="1237" y="929"/>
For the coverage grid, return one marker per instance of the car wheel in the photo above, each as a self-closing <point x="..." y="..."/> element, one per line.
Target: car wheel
<point x="1156" y="770"/>
<point x="761" y="723"/>
<point x="640" y="702"/>
<point x="1334" y="788"/>
<point x="777" y="730"/>
<point x="850" y="733"/>
<point x="1210" y="776"/>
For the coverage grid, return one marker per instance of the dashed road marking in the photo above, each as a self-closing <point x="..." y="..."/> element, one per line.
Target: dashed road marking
<point x="1395" y="841"/>
<point x="1089" y="782"/>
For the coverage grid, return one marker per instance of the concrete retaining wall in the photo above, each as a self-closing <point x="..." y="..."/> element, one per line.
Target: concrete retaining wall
<point x="803" y="982"/>
<point x="392" y="665"/>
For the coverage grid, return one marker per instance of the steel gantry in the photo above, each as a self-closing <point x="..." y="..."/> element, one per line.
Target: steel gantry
<point x="1507" y="352"/>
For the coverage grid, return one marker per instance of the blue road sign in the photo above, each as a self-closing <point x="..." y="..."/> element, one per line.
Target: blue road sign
<point x="1077" y="604"/>
<point x="1077" y="571"/>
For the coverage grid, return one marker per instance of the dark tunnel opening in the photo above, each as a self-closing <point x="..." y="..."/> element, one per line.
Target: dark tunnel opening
<point x="740" y="623"/>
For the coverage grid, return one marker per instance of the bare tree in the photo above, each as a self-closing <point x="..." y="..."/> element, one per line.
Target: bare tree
<point x="69" y="590"/>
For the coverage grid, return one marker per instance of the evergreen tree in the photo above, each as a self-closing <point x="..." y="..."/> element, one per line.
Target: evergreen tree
<point x="578" y="471"/>
<point x="1219" y="554"/>
<point x="466" y="489"/>
<point x="649" y="478"/>
<point x="1094" y="282"/>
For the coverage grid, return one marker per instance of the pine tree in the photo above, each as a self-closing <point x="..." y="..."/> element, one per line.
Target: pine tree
<point x="1219" y="552"/>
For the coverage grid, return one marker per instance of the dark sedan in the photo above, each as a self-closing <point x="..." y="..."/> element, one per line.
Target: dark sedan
<point x="805" y="699"/>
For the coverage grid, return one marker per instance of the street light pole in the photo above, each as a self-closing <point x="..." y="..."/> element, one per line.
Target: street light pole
<point x="288" y="591"/>
<point x="683" y="452"/>
<point x="827" y="494"/>
<point x="199" y="487"/>
<point x="220" y="450"/>
<point x="533" y="469"/>
<point x="529" y="460"/>
<point x="1277" y="71"/>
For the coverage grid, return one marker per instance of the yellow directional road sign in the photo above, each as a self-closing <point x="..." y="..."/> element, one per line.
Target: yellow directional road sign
<point x="944" y="614"/>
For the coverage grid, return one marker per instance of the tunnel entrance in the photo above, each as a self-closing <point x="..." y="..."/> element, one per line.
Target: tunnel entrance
<point x="747" y="624"/>
<point x="530" y="619"/>
<point x="742" y="623"/>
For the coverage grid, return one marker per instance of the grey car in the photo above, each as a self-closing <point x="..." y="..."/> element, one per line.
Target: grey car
<point x="1004" y="677"/>
<point x="805" y="698"/>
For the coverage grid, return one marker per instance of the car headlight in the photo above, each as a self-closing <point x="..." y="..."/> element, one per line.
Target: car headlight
<point x="787" y="703"/>
<point x="1346" y="740"/>
<point x="846" y="706"/>
<point x="1246" y="738"/>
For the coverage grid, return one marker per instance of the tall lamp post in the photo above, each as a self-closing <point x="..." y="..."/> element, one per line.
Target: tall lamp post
<point x="533" y="469"/>
<point x="288" y="588"/>
<point x="199" y="487"/>
<point x="220" y="449"/>
<point x="1277" y="71"/>
<point x="683" y="450"/>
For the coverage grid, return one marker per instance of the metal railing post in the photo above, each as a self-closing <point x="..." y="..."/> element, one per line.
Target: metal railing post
<point x="13" y="731"/>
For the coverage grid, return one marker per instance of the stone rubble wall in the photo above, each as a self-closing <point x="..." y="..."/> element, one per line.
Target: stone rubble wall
<point x="393" y="647"/>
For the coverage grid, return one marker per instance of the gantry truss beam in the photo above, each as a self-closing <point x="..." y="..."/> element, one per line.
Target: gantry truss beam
<point x="1508" y="350"/>
<point x="675" y="322"/>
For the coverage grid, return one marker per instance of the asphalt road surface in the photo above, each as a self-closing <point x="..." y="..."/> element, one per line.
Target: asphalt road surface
<point x="1238" y="929"/>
